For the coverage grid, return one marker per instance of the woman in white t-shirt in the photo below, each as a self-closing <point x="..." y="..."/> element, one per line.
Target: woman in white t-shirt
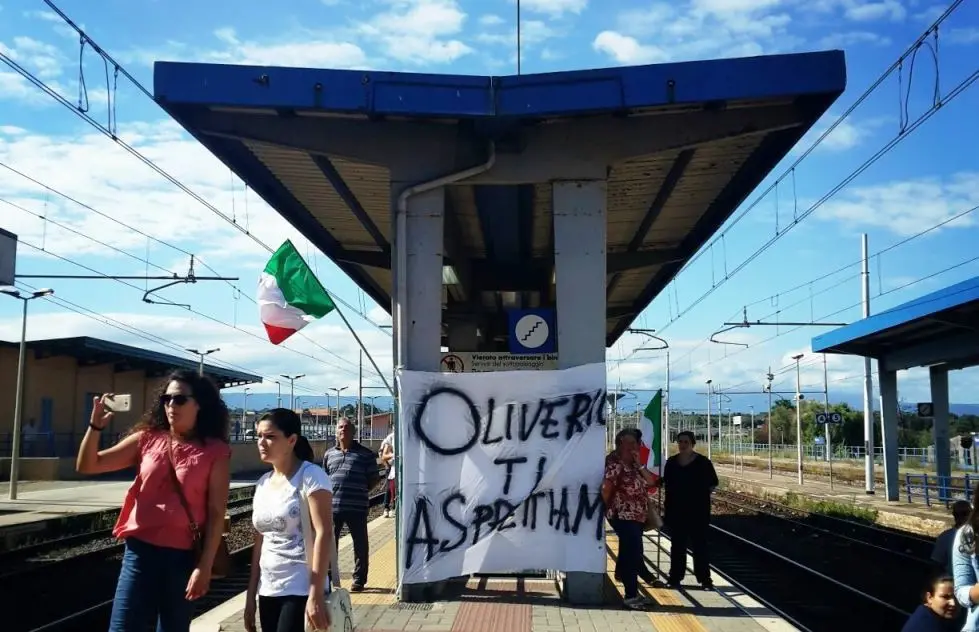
<point x="284" y="591"/>
<point x="387" y="457"/>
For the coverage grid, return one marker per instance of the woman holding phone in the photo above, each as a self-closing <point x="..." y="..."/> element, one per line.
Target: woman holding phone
<point x="181" y="452"/>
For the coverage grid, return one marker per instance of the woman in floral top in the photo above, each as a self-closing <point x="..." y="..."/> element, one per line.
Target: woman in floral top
<point x="624" y="492"/>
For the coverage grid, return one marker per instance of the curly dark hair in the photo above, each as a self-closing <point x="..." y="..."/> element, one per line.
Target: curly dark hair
<point x="213" y="418"/>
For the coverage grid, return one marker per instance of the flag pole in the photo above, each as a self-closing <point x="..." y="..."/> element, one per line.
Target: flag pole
<point x="664" y="434"/>
<point x="336" y="308"/>
<point x="360" y="342"/>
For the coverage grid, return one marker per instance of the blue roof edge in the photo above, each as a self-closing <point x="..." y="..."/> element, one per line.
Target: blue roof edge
<point x="940" y="300"/>
<point x="569" y="92"/>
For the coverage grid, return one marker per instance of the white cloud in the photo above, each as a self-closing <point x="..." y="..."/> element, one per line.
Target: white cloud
<point x="490" y="20"/>
<point x="627" y="50"/>
<point x="532" y="33"/>
<point x="419" y="32"/>
<point x="875" y="11"/>
<point x="849" y="133"/>
<point x="675" y="31"/>
<point x="968" y="35"/>
<point x="906" y="207"/>
<point x="853" y="38"/>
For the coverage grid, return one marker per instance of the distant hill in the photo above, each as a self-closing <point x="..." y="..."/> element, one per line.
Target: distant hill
<point x="682" y="399"/>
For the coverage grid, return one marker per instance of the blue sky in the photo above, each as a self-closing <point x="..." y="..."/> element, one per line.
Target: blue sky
<point x="929" y="177"/>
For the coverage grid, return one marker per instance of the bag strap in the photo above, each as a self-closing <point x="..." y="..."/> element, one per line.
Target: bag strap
<point x="194" y="527"/>
<point x="309" y="536"/>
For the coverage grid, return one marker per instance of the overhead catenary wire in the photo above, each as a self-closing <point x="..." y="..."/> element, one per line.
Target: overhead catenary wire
<point x="40" y="84"/>
<point x="235" y="287"/>
<point x="195" y="312"/>
<point x="837" y="312"/>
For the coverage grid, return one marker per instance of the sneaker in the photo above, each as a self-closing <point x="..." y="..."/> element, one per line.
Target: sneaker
<point x="707" y="585"/>
<point x="387" y="513"/>
<point x="357" y="588"/>
<point x="635" y="603"/>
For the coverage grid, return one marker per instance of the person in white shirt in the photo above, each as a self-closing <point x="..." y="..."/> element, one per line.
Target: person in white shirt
<point x="387" y="457"/>
<point x="286" y="593"/>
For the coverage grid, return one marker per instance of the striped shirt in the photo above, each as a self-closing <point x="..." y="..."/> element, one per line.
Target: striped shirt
<point x="352" y="473"/>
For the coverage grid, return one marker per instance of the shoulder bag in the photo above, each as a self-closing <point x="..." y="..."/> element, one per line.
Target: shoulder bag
<point x="222" y="558"/>
<point x="337" y="600"/>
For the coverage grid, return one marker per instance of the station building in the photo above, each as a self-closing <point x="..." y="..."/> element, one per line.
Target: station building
<point x="62" y="375"/>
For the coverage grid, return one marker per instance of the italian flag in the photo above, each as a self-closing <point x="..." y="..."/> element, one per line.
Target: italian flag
<point x="651" y="426"/>
<point x="289" y="294"/>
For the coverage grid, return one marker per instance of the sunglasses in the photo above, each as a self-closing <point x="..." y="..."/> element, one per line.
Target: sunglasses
<point x="174" y="400"/>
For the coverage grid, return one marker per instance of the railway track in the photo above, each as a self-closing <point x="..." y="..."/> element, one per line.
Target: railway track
<point x="807" y="598"/>
<point x="80" y="598"/>
<point x="819" y="572"/>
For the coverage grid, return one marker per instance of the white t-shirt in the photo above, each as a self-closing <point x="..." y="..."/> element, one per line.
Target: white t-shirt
<point x="276" y="515"/>
<point x="389" y="440"/>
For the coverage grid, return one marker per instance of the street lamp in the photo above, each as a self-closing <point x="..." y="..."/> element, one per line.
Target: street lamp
<point x="200" y="369"/>
<point x="798" y="414"/>
<point x="292" y="388"/>
<point x="768" y="387"/>
<point x="19" y="396"/>
<point x="244" y="408"/>
<point x="336" y="421"/>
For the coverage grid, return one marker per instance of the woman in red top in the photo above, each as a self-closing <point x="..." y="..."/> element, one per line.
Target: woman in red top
<point x="185" y="432"/>
<point x="624" y="492"/>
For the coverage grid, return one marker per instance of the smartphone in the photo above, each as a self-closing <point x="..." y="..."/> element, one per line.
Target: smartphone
<point x="118" y="403"/>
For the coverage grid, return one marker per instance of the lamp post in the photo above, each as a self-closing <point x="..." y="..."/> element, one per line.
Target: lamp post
<point x="292" y="389"/>
<point x="798" y="414"/>
<point x="244" y="408"/>
<point x="200" y="368"/>
<point x="768" y="387"/>
<point x="337" y="420"/>
<point x="19" y="396"/>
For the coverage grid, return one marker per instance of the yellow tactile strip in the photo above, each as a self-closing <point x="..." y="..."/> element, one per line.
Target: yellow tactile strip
<point x="662" y="596"/>
<point x="676" y="622"/>
<point x="383" y="578"/>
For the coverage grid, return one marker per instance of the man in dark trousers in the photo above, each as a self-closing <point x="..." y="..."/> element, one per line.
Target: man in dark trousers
<point x="353" y="471"/>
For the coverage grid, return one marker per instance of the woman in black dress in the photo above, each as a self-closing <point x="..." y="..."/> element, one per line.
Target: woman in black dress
<point x="689" y="478"/>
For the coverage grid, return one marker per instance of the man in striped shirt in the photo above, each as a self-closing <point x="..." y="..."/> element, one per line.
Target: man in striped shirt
<point x="353" y="471"/>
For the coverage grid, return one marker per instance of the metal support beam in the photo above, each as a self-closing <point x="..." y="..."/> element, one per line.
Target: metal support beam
<point x="962" y="349"/>
<point x="888" y="421"/>
<point x="340" y="186"/>
<point x="940" y="409"/>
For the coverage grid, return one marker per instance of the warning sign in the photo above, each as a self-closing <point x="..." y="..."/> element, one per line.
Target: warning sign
<point x="480" y="362"/>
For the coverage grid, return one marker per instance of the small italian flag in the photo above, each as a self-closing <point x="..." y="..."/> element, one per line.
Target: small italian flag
<point x="652" y="431"/>
<point x="289" y="294"/>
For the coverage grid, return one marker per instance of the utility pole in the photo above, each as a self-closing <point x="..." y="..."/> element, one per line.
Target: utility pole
<point x="200" y="367"/>
<point x="278" y="397"/>
<point x="360" y="399"/>
<point x="829" y="437"/>
<point x="868" y="381"/>
<point x="751" y="433"/>
<point x="19" y="395"/>
<point x="292" y="389"/>
<point x="709" y="430"/>
<point x="768" y="387"/>
<point x="798" y="414"/>
<point x="244" y="409"/>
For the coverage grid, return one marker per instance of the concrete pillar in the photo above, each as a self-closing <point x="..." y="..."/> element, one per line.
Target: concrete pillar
<point x="418" y="337"/>
<point x="939" y="401"/>
<point x="579" y="260"/>
<point x="888" y="423"/>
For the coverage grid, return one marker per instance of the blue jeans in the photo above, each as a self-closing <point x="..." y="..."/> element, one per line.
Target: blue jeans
<point x="152" y="585"/>
<point x="629" y="563"/>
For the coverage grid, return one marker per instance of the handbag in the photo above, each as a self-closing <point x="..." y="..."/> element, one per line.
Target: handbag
<point x="338" y="600"/>
<point x="222" y="558"/>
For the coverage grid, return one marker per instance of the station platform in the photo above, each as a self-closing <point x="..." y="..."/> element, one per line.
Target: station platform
<point x="527" y="605"/>
<point x="913" y="517"/>
<point x="42" y="501"/>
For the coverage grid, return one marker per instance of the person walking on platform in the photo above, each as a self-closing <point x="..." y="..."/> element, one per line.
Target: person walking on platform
<point x="287" y="591"/>
<point x="624" y="493"/>
<point x="689" y="479"/>
<point x="387" y="458"/>
<point x="181" y="452"/>
<point x="353" y="471"/>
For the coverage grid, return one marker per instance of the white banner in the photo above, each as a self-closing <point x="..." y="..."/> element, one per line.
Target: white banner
<point x="501" y="472"/>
